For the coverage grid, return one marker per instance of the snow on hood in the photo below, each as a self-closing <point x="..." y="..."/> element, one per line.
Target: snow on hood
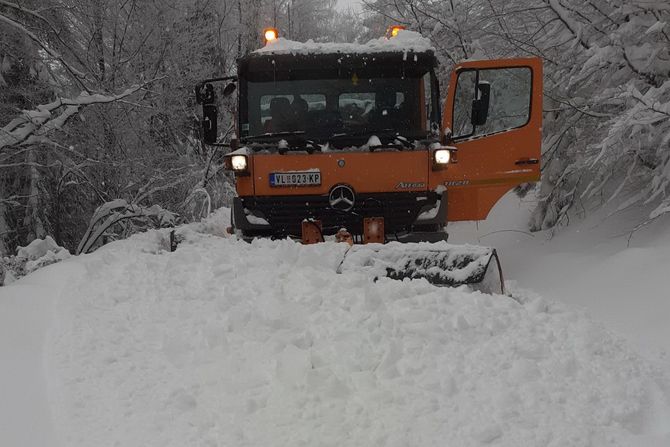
<point x="405" y="41"/>
<point x="244" y="150"/>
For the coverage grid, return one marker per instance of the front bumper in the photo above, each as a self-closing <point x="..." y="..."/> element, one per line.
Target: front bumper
<point x="281" y="216"/>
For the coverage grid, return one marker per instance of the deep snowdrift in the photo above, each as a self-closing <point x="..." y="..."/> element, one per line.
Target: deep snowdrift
<point x="224" y="343"/>
<point x="595" y="264"/>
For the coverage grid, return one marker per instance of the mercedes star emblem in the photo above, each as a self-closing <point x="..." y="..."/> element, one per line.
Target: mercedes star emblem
<point x="342" y="198"/>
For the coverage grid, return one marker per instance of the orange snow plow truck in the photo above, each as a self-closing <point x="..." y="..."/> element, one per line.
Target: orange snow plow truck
<point x="350" y="142"/>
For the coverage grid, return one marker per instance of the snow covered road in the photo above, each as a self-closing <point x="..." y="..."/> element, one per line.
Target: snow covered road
<point x="224" y="343"/>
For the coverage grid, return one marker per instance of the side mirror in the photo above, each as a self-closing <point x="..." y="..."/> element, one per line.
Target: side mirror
<point x="234" y="144"/>
<point x="445" y="137"/>
<point x="480" y="105"/>
<point x="229" y="89"/>
<point x="207" y="97"/>
<point x="210" y="116"/>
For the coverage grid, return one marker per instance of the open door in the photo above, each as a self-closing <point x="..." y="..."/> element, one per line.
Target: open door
<point x="494" y="113"/>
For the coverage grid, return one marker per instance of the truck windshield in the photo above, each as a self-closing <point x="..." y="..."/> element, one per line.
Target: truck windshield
<point x="326" y="108"/>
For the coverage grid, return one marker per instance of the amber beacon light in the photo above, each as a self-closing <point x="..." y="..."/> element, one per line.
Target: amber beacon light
<point x="270" y="34"/>
<point x="394" y="30"/>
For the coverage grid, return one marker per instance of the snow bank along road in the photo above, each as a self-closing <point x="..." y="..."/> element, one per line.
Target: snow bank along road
<point x="224" y="343"/>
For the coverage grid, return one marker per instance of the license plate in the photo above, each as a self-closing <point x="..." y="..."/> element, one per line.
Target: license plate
<point x="308" y="178"/>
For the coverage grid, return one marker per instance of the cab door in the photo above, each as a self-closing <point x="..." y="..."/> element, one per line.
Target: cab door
<point x="494" y="114"/>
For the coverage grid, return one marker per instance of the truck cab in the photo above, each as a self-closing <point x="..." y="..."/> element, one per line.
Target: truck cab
<point x="353" y="136"/>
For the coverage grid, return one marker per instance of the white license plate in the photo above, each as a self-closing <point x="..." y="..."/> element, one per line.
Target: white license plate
<point x="308" y="178"/>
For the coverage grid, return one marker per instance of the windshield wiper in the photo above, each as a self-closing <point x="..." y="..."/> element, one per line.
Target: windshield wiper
<point x="309" y="145"/>
<point x="261" y="136"/>
<point x="364" y="133"/>
<point x="383" y="133"/>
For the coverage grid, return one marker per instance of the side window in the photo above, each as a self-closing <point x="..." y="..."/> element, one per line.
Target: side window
<point x="427" y="101"/>
<point x="465" y="93"/>
<point x="509" y="105"/>
<point x="508" y="101"/>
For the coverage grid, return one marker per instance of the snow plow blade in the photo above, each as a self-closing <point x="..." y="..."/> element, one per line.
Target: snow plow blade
<point x="440" y="264"/>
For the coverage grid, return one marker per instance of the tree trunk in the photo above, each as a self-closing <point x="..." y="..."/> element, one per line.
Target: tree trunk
<point x="4" y="225"/>
<point x="240" y="24"/>
<point x="33" y="217"/>
<point x="98" y="40"/>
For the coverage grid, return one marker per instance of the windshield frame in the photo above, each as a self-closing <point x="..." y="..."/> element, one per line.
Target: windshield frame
<point x="395" y="68"/>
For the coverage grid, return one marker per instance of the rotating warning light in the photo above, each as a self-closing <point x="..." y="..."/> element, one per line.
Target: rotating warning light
<point x="270" y="35"/>
<point x="394" y="30"/>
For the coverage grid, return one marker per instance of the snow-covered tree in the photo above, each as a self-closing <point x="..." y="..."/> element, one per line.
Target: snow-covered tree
<point x="607" y="87"/>
<point x="97" y="103"/>
<point x="86" y="135"/>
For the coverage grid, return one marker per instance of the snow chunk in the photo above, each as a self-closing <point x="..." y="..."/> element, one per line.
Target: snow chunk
<point x="38" y="248"/>
<point x="39" y="253"/>
<point x="244" y="150"/>
<point x="256" y="220"/>
<point x="373" y="141"/>
<point x="42" y="252"/>
<point x="431" y="213"/>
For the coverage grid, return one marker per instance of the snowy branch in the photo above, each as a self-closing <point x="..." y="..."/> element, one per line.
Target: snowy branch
<point x="76" y="74"/>
<point x="572" y="25"/>
<point x="576" y="108"/>
<point x="663" y="109"/>
<point x="36" y="123"/>
<point x="112" y="213"/>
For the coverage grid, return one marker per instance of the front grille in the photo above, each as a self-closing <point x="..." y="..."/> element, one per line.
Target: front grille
<point x="286" y="213"/>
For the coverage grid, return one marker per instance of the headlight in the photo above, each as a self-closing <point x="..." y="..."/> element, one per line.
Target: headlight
<point x="442" y="156"/>
<point x="238" y="162"/>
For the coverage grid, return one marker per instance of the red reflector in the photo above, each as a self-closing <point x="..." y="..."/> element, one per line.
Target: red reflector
<point x="373" y="230"/>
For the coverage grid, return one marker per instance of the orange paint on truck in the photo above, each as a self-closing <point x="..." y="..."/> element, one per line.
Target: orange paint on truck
<point x="365" y="172"/>
<point x="487" y="166"/>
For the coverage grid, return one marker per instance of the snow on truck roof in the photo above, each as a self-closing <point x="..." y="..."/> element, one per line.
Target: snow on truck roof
<point x="405" y="41"/>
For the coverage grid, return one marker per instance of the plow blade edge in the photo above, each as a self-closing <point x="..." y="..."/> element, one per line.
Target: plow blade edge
<point x="440" y="264"/>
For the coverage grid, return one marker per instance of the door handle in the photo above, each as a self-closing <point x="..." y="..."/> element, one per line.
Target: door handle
<point x="527" y="161"/>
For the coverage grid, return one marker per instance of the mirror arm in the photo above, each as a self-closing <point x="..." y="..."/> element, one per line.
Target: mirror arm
<point x="201" y="84"/>
<point x="224" y="78"/>
<point x="446" y="137"/>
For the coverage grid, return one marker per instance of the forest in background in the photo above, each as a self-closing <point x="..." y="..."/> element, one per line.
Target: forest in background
<point x="97" y="103"/>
